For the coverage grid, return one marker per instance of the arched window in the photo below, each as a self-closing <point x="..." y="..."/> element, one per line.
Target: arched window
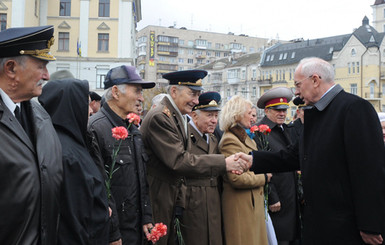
<point x="353" y="52"/>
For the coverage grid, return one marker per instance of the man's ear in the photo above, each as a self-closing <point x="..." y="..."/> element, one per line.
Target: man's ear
<point x="115" y="92"/>
<point x="10" y="68"/>
<point x="316" y="80"/>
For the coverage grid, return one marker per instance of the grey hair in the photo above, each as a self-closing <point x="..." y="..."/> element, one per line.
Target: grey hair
<point x="232" y="111"/>
<point x="157" y="99"/>
<point x="314" y="65"/>
<point x="108" y="93"/>
<point x="19" y="59"/>
<point x="179" y="87"/>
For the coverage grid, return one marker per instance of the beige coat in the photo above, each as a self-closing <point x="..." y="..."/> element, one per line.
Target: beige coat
<point x="243" y="196"/>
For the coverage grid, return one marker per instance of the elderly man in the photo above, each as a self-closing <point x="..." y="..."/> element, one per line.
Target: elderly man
<point x="282" y="187"/>
<point x="129" y="185"/>
<point x="203" y="192"/>
<point x="95" y="102"/>
<point x="167" y="140"/>
<point x="30" y="153"/>
<point x="342" y="162"/>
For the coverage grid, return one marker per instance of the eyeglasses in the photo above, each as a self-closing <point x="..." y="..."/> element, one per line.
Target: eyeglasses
<point x="297" y="84"/>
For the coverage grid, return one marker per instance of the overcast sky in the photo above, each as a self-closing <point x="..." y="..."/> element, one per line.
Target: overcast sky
<point x="285" y="19"/>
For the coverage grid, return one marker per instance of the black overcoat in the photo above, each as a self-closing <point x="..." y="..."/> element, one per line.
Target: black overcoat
<point x="341" y="158"/>
<point x="282" y="186"/>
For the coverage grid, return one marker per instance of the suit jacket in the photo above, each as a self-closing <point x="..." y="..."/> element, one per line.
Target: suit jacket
<point x="170" y="162"/>
<point x="341" y="159"/>
<point x="243" y="195"/>
<point x="30" y="178"/>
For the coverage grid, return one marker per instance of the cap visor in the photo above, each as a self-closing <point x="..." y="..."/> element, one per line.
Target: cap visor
<point x="198" y="88"/>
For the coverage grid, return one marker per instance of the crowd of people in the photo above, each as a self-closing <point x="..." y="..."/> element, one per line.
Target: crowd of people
<point x="195" y="165"/>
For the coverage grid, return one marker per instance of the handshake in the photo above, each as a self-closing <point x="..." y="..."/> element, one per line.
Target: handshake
<point x="238" y="163"/>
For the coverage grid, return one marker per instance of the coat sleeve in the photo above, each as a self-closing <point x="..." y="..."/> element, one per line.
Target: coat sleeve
<point x="161" y="134"/>
<point x="366" y="165"/>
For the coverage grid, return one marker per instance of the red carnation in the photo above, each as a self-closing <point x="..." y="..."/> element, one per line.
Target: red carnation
<point x="133" y="118"/>
<point x="254" y="129"/>
<point x="157" y="232"/>
<point x="119" y="133"/>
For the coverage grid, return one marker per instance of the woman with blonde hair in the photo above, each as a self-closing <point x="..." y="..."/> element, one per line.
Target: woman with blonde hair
<point x="243" y="196"/>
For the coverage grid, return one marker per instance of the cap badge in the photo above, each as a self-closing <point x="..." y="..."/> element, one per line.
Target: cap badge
<point x="213" y="103"/>
<point x="280" y="100"/>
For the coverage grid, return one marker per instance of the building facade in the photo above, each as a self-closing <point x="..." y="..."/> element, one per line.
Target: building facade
<point x="358" y="59"/>
<point x="166" y="49"/>
<point x="91" y="36"/>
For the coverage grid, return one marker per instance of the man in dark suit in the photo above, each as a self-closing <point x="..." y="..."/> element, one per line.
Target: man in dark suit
<point x="340" y="155"/>
<point x="30" y="152"/>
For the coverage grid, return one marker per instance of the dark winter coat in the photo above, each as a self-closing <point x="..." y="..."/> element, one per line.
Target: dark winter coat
<point x="282" y="186"/>
<point x="31" y="176"/>
<point x="341" y="158"/>
<point x="129" y="184"/>
<point x="84" y="206"/>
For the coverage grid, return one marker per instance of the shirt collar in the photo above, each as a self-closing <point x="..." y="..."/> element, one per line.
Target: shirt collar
<point x="328" y="97"/>
<point x="8" y="102"/>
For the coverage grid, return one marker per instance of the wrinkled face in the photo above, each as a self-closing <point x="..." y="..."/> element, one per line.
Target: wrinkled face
<point x="206" y="121"/>
<point x="253" y="116"/>
<point x="95" y="106"/>
<point x="29" y="78"/>
<point x="131" y="100"/>
<point x="245" y="119"/>
<point x="276" y="116"/>
<point x="304" y="87"/>
<point x="383" y="129"/>
<point x="185" y="98"/>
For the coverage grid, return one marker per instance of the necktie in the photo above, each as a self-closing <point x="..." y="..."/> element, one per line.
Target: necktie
<point x="18" y="114"/>
<point x="204" y="137"/>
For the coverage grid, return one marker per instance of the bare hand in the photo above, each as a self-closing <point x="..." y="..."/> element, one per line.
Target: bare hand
<point x="371" y="238"/>
<point x="247" y="158"/>
<point x="118" y="242"/>
<point x="269" y="175"/>
<point x="275" y="207"/>
<point x="233" y="165"/>
<point x="109" y="212"/>
<point x="147" y="228"/>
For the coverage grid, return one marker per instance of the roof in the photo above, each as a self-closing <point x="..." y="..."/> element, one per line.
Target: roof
<point x="378" y="2"/>
<point x="229" y="62"/>
<point x="292" y="53"/>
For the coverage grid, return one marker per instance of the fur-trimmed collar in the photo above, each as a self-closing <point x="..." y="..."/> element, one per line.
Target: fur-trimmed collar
<point x="239" y="132"/>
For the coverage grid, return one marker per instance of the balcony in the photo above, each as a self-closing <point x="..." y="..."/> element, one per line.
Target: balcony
<point x="200" y="56"/>
<point x="373" y="96"/>
<point x="167" y="53"/>
<point x="265" y="82"/>
<point x="235" y="80"/>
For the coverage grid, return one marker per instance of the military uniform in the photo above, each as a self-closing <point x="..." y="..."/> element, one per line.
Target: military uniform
<point x="171" y="163"/>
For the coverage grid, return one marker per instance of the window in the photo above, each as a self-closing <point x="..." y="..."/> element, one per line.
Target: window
<point x="228" y="93"/>
<point x="191" y="52"/>
<point x="268" y="58"/>
<point x="349" y="67"/>
<point x="254" y="92"/>
<point x="190" y="43"/>
<point x="354" y="67"/>
<point x="371" y="87"/>
<point x="293" y="55"/>
<point x="243" y="74"/>
<point x="201" y="42"/>
<point x="358" y="67"/>
<point x="244" y="92"/>
<point x="217" y="45"/>
<point x="217" y="54"/>
<point x="181" y="42"/>
<point x="284" y="56"/>
<point x="353" y="52"/>
<point x="254" y="73"/>
<point x="104" y="8"/>
<point x="65" y="8"/>
<point x="3" y="22"/>
<point x="64" y="41"/>
<point x="209" y="44"/>
<point x="353" y="88"/>
<point x="235" y="91"/>
<point x="280" y="56"/>
<point x="190" y="61"/>
<point x="208" y="53"/>
<point x="180" y="60"/>
<point x="272" y="57"/>
<point x="103" y="40"/>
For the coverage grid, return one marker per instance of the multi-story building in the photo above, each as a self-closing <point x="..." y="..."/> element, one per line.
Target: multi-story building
<point x="358" y="59"/>
<point x="167" y="49"/>
<point x="91" y="36"/>
<point x="379" y="15"/>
